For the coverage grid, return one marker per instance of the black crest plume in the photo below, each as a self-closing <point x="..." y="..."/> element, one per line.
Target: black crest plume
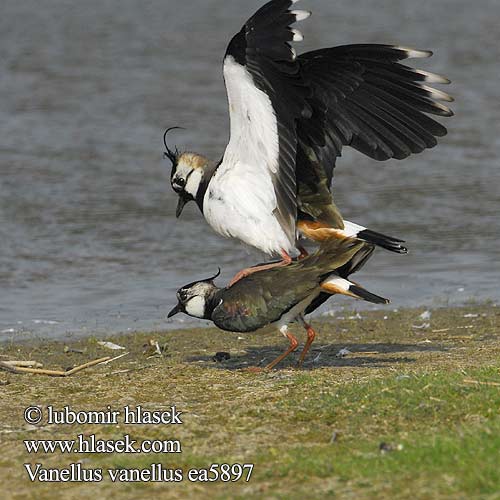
<point x="213" y="277"/>
<point x="171" y="155"/>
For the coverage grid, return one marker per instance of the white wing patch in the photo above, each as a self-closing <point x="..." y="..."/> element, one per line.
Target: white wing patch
<point x="254" y="128"/>
<point x="241" y="200"/>
<point x="352" y="229"/>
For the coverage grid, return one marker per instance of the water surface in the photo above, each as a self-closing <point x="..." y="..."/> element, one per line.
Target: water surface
<point x="88" y="237"/>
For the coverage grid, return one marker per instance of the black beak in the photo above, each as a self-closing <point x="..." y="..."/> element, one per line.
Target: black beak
<point x="180" y="205"/>
<point x="175" y="310"/>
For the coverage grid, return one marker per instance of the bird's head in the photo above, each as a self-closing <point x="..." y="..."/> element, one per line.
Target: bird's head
<point x="194" y="299"/>
<point x="187" y="173"/>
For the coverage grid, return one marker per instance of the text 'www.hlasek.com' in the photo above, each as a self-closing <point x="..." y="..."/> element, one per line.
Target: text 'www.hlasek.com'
<point x="157" y="470"/>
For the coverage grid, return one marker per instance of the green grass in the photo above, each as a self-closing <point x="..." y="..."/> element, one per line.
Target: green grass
<point x="445" y="437"/>
<point x="432" y="397"/>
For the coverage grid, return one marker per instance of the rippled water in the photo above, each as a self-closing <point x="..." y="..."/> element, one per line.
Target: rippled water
<point x="88" y="237"/>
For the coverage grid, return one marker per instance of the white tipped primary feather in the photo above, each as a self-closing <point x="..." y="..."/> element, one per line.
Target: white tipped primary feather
<point x="294" y="53"/>
<point x="415" y="53"/>
<point x="432" y="77"/>
<point x="300" y="15"/>
<point x="437" y="94"/>
<point x="443" y="108"/>
<point x="297" y="35"/>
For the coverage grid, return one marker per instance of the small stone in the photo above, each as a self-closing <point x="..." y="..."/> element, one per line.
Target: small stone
<point x="334" y="438"/>
<point x="111" y="345"/>
<point x="423" y="326"/>
<point x="221" y="356"/>
<point x="426" y="315"/>
<point x="357" y="316"/>
<point x="385" y="447"/>
<point x="343" y="353"/>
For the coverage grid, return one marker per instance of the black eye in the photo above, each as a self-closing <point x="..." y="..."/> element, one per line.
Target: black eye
<point x="178" y="184"/>
<point x="183" y="295"/>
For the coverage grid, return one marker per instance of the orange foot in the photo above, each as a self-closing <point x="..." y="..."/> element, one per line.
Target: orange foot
<point x="311" y="334"/>
<point x="251" y="270"/>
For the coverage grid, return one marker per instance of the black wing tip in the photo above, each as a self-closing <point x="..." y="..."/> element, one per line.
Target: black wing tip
<point x="368" y="296"/>
<point x="383" y="241"/>
<point x="389" y="115"/>
<point x="269" y="27"/>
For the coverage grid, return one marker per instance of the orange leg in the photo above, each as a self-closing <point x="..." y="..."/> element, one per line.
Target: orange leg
<point x="251" y="270"/>
<point x="303" y="252"/>
<point x="293" y="345"/>
<point x="311" y="334"/>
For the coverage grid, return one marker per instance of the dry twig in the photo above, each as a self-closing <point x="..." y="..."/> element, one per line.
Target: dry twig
<point x="480" y="382"/>
<point x="24" y="364"/>
<point x="51" y="373"/>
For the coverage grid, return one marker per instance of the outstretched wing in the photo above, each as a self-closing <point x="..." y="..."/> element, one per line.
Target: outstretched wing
<point x="365" y="98"/>
<point x="266" y="96"/>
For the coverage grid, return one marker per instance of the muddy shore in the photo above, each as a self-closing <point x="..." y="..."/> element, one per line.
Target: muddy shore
<point x="388" y="403"/>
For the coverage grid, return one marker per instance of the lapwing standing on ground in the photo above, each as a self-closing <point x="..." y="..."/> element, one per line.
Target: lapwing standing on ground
<point x="290" y="117"/>
<point x="281" y="295"/>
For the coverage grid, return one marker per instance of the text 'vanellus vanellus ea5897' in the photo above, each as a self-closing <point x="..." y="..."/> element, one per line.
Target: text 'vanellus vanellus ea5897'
<point x="281" y="295"/>
<point x="290" y="116"/>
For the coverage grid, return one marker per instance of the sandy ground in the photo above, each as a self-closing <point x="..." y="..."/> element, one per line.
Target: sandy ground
<point x="323" y="430"/>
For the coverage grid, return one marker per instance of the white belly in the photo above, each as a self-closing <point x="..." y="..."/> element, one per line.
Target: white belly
<point x="241" y="207"/>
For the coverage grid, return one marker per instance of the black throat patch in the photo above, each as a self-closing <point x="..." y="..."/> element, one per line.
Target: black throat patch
<point x="237" y="47"/>
<point x="205" y="181"/>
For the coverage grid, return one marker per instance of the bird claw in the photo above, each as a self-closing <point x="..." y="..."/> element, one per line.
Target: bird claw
<point x="303" y="253"/>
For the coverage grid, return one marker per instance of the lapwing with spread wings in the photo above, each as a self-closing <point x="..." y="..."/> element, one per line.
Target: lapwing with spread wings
<point x="290" y="117"/>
